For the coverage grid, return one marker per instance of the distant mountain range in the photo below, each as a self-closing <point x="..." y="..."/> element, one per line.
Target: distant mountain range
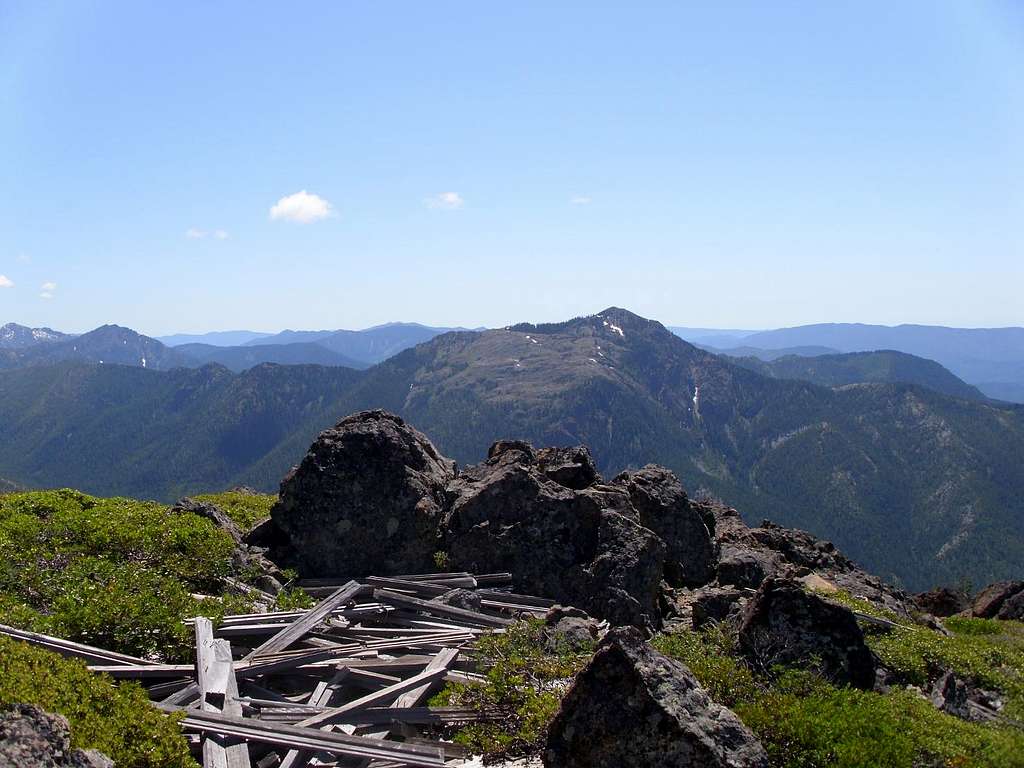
<point x="991" y="359"/>
<point x="921" y="486"/>
<point x="111" y="344"/>
<point x="883" y="367"/>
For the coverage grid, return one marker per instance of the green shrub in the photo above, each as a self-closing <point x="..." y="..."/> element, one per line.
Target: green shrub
<point x="117" y="573"/>
<point x="524" y="686"/>
<point x="245" y="509"/>
<point x="988" y="653"/>
<point x="805" y="722"/>
<point x="116" y="719"/>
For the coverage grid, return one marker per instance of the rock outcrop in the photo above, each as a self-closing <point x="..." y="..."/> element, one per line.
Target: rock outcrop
<point x="367" y="498"/>
<point x="583" y="547"/>
<point x="785" y="624"/>
<point x="1001" y="600"/>
<point x="664" y="507"/>
<point x="942" y="601"/>
<point x="568" y="628"/>
<point x="33" y="738"/>
<point x="749" y="555"/>
<point x="633" y="706"/>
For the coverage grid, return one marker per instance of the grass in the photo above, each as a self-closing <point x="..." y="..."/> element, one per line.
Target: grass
<point x="524" y="686"/>
<point x="117" y="719"/>
<point x="805" y="722"/>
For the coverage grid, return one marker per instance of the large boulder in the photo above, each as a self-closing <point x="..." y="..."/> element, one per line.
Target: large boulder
<point x="33" y="738"/>
<point x="784" y="624"/>
<point x="366" y="499"/>
<point x="1001" y="600"/>
<point x="583" y="547"/>
<point x="664" y="507"/>
<point x="633" y="706"/>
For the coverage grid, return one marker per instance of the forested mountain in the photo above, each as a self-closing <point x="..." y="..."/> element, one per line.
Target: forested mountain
<point x="14" y="336"/>
<point x="914" y="484"/>
<point x="242" y="358"/>
<point x="215" y="338"/>
<point x="884" y="367"/>
<point x="109" y="344"/>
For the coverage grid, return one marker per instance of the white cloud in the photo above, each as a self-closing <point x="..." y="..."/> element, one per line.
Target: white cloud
<point x="6" y="282"/>
<point x="445" y="201"/>
<point x="48" y="286"/>
<point x="201" y="234"/>
<point x="45" y="295"/>
<point x="302" y="207"/>
<point x="579" y="200"/>
<point x="24" y="258"/>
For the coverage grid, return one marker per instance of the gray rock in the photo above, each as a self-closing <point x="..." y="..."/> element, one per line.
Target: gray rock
<point x="33" y="738"/>
<point x="632" y="706"/>
<point x="715" y="605"/>
<point x="950" y="695"/>
<point x="583" y="547"/>
<point x="942" y="601"/>
<point x="460" y="598"/>
<point x="664" y="508"/>
<point x="569" y="629"/>
<point x="1001" y="600"/>
<point x="211" y="512"/>
<point x="366" y="499"/>
<point x="750" y="555"/>
<point x="784" y="624"/>
<point x="572" y="467"/>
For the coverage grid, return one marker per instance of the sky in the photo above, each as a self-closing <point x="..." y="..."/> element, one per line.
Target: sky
<point x="195" y="166"/>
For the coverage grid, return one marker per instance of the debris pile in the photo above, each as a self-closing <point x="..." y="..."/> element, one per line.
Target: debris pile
<point x="346" y="680"/>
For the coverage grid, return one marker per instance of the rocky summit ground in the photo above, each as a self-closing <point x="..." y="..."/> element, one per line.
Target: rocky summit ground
<point x="682" y="635"/>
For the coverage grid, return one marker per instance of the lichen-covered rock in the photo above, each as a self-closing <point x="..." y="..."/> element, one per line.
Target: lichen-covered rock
<point x="460" y="598"/>
<point x="632" y="706"/>
<point x="1001" y="600"/>
<point x="211" y="512"/>
<point x="664" y="507"/>
<point x="715" y="605"/>
<point x="571" y="467"/>
<point x="749" y="555"/>
<point x="568" y="628"/>
<point x="579" y="546"/>
<point x="785" y="624"/>
<point x="366" y="499"/>
<point x="33" y="738"/>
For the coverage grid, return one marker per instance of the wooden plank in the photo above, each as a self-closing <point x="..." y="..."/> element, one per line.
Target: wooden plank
<point x="389" y="694"/>
<point x="143" y="671"/>
<point x="439" y="609"/>
<point x="314" y="739"/>
<point x="511" y="597"/>
<point x="418" y="588"/>
<point x="308" y="621"/>
<point x="441" y="662"/>
<point x="218" y="692"/>
<point x="68" y="648"/>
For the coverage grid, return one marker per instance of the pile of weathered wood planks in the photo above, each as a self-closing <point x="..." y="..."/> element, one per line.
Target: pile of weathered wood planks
<point x="344" y="683"/>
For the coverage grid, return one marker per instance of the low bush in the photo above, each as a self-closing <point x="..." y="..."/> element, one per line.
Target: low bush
<point x="116" y="719"/>
<point x="524" y="686"/>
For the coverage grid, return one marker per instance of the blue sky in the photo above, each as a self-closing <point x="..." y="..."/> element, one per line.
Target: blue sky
<point x="741" y="164"/>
